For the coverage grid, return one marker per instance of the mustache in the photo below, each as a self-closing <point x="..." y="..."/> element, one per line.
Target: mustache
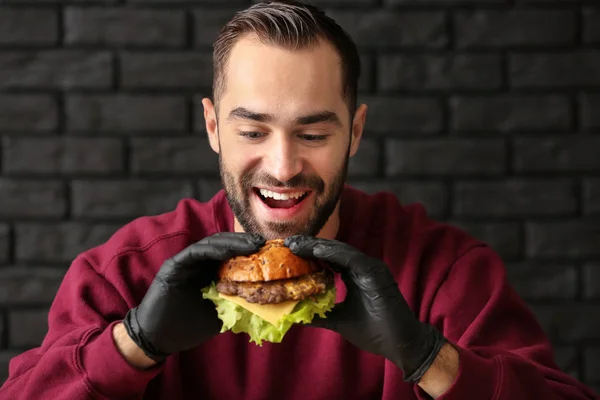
<point x="313" y="182"/>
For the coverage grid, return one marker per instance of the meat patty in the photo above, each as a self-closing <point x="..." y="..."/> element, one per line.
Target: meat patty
<point x="278" y="291"/>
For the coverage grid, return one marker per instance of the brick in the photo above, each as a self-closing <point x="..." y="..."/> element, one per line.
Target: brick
<point x="543" y="281"/>
<point x="28" y="26"/>
<point x="207" y="188"/>
<point x="126" y="198"/>
<point x="562" y="70"/>
<point x="591" y="25"/>
<point x="591" y="195"/>
<point x="403" y="114"/>
<point x="561" y="239"/>
<point x="193" y="2"/>
<point x="432" y="195"/>
<point x="27" y="327"/>
<point x="515" y="197"/>
<point x="166" y="70"/>
<point x="366" y="79"/>
<point x="208" y="23"/>
<point x="567" y="322"/>
<point x="445" y="157"/>
<point x="591" y="357"/>
<point x="28" y="112"/>
<point x="173" y="155"/>
<point x="20" y="286"/>
<point x="499" y="28"/>
<point x="55" y="69"/>
<point x="30" y="199"/>
<point x="503" y="237"/>
<point x="588" y="110"/>
<point x="444" y="72"/>
<point x="507" y="113"/>
<point x="567" y="359"/>
<point x="556" y="154"/>
<point x="333" y="3"/>
<point x="3" y="336"/>
<point x="58" y="243"/>
<point x="591" y="280"/>
<point x="5" y="357"/>
<point x="63" y="155"/>
<point x="440" y="2"/>
<point x="200" y="2"/>
<point x="51" y="2"/>
<point x="384" y="28"/>
<point x="366" y="160"/>
<point x="125" y="27"/>
<point x="5" y="243"/>
<point x="125" y="113"/>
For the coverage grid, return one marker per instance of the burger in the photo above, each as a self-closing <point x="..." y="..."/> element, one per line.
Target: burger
<point x="265" y="293"/>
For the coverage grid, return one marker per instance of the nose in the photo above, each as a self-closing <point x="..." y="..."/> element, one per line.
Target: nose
<point x="282" y="159"/>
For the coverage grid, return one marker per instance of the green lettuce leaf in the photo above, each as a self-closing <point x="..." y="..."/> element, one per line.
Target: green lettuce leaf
<point x="239" y="320"/>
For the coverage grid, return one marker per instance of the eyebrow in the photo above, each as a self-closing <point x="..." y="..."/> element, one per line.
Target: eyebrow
<point x="323" y="116"/>
<point x="244" y="113"/>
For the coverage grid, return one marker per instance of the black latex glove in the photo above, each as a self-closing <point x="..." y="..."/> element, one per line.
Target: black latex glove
<point x="173" y="316"/>
<point x="374" y="316"/>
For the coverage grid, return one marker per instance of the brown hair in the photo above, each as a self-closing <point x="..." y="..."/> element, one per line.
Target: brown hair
<point x="293" y="25"/>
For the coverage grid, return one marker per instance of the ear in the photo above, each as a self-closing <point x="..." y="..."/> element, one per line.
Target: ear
<point x="210" y="118"/>
<point x="358" y="124"/>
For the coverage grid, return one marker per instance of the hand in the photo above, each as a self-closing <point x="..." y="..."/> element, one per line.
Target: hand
<point x="374" y="316"/>
<point x="173" y="316"/>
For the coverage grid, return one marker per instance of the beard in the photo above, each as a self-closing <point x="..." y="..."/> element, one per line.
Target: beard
<point x="239" y="189"/>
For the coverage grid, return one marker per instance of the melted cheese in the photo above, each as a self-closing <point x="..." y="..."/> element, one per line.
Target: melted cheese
<point x="269" y="312"/>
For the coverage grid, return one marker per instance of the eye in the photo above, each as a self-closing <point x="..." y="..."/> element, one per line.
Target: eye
<point x="313" y="138"/>
<point x="251" y="135"/>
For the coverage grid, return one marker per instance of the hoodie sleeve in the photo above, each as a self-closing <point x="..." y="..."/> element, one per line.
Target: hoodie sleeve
<point x="504" y="353"/>
<point x="78" y="358"/>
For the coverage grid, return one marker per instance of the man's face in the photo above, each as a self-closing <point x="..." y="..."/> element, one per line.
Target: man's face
<point x="284" y="137"/>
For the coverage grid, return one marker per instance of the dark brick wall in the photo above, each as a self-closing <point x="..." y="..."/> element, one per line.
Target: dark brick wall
<point x="483" y="110"/>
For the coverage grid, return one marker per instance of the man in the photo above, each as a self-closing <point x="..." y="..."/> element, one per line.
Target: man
<point x="427" y="311"/>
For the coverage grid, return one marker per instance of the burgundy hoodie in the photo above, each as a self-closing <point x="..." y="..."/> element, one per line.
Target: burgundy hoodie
<point x="448" y="278"/>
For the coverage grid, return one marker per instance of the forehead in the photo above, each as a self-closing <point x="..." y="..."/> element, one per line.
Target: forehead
<point x="274" y="79"/>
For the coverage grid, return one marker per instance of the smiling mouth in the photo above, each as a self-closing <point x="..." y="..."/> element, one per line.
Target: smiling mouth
<point x="281" y="200"/>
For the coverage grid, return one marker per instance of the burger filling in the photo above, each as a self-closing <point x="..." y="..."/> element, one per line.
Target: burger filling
<point x="271" y="292"/>
<point x="281" y="200"/>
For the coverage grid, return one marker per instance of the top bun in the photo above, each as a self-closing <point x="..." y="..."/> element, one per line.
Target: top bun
<point x="272" y="262"/>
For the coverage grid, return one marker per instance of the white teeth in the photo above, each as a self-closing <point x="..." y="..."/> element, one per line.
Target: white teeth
<point x="281" y="196"/>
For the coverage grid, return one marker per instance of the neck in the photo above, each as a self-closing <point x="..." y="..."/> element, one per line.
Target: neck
<point x="329" y="230"/>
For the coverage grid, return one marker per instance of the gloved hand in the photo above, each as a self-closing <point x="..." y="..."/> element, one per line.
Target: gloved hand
<point x="374" y="316"/>
<point x="173" y="316"/>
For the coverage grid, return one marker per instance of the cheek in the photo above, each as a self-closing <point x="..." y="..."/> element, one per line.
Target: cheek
<point x="328" y="163"/>
<point x="232" y="169"/>
<point x="236" y="159"/>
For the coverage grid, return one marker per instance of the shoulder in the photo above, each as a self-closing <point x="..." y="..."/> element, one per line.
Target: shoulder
<point x="418" y="249"/>
<point x="157" y="237"/>
<point x="381" y="214"/>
